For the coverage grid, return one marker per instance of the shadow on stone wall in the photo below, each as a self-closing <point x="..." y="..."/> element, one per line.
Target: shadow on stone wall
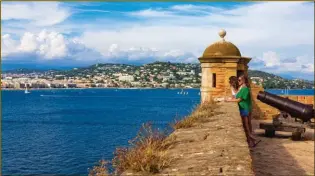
<point x="257" y="112"/>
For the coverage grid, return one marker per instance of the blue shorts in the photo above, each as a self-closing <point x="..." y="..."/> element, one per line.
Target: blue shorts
<point x="244" y="113"/>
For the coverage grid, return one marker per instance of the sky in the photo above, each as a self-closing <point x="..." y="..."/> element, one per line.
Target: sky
<point x="278" y="36"/>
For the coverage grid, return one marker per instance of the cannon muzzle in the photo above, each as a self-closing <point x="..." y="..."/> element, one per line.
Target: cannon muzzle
<point x="295" y="109"/>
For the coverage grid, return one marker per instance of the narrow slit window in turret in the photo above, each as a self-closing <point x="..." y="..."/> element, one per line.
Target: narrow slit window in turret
<point x="214" y="80"/>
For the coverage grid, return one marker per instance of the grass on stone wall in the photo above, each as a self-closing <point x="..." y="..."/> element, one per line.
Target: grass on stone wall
<point x="100" y="169"/>
<point x="147" y="153"/>
<point x="201" y="114"/>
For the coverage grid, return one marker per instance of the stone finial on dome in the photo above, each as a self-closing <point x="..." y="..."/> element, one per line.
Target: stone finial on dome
<point x="222" y="33"/>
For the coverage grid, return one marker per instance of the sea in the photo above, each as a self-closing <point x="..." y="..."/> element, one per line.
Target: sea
<point x="67" y="131"/>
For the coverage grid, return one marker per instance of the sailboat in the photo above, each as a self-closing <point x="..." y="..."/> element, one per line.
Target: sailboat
<point x="26" y="90"/>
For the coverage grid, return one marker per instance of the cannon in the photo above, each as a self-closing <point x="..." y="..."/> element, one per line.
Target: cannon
<point x="294" y="116"/>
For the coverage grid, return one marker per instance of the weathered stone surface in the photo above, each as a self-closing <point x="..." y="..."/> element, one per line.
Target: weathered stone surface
<point x="282" y="156"/>
<point x="218" y="147"/>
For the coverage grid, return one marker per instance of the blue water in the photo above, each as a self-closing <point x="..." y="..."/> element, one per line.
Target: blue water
<point x="292" y="91"/>
<point x="67" y="131"/>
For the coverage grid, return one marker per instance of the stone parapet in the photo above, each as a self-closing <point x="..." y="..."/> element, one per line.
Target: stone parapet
<point x="217" y="147"/>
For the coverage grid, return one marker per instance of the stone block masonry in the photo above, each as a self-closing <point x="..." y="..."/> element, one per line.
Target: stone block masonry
<point x="217" y="147"/>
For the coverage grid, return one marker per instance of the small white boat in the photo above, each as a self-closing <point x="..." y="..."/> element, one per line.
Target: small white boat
<point x="26" y="91"/>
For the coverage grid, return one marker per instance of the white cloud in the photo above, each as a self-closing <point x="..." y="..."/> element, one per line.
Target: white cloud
<point x="271" y="59"/>
<point x="196" y="8"/>
<point x="8" y="45"/>
<point x="144" y="54"/>
<point x="48" y="45"/>
<point x="246" y="26"/>
<point x="274" y="63"/>
<point x="39" y="13"/>
<point x="28" y="43"/>
<point x="52" y="45"/>
<point x="151" y="13"/>
<point x="308" y="68"/>
<point x="273" y="31"/>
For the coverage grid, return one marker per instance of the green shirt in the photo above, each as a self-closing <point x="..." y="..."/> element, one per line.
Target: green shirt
<point x="244" y="95"/>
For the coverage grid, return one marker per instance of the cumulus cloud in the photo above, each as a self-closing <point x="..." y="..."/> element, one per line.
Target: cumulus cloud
<point x="48" y="45"/>
<point x="145" y="54"/>
<point x="272" y="62"/>
<point x="280" y="34"/>
<point x="45" y="45"/>
<point x="7" y="45"/>
<point x="247" y="27"/>
<point x="271" y="59"/>
<point x="28" y="43"/>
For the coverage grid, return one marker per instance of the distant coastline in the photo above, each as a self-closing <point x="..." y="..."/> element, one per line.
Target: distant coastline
<point x="14" y="89"/>
<point x="275" y="91"/>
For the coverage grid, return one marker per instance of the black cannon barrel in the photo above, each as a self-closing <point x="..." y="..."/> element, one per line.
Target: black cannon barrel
<point x="295" y="109"/>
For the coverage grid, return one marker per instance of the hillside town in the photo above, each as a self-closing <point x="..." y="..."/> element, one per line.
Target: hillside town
<point x="154" y="75"/>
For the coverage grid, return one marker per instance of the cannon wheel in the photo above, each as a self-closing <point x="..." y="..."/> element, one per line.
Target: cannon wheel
<point x="270" y="132"/>
<point x="296" y="136"/>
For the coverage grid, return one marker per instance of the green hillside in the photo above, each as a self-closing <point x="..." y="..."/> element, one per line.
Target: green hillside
<point x="160" y="72"/>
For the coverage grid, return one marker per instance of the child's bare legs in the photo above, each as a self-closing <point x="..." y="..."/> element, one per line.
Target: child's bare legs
<point x="250" y="122"/>
<point x="250" y="139"/>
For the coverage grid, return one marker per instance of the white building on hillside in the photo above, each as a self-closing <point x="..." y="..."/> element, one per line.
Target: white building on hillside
<point x="127" y="78"/>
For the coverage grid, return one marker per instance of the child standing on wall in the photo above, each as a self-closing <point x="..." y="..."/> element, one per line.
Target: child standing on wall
<point x="243" y="99"/>
<point x="234" y="89"/>
<point x="234" y="85"/>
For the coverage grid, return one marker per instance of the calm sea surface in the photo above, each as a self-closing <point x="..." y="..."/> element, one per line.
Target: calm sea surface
<point x="68" y="131"/>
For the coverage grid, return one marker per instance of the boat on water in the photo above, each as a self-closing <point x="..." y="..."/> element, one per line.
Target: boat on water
<point x="182" y="92"/>
<point x="26" y="91"/>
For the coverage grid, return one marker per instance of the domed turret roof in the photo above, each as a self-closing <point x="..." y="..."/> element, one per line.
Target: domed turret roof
<point x="221" y="48"/>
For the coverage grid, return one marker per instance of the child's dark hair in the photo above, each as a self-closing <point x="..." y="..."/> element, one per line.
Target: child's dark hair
<point x="246" y="80"/>
<point x="233" y="82"/>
